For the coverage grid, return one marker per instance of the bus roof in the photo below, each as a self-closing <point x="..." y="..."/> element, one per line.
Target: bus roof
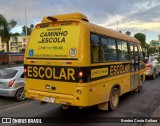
<point x="114" y="34"/>
<point x="97" y="29"/>
<point x="77" y="16"/>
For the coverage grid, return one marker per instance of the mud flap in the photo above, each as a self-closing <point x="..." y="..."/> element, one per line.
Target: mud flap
<point x="103" y="106"/>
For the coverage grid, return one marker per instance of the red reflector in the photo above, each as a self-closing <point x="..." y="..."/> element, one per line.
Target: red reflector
<point x="69" y="62"/>
<point x="11" y="83"/>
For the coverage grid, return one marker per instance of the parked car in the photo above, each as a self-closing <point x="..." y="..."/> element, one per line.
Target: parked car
<point x="12" y="82"/>
<point x="152" y="67"/>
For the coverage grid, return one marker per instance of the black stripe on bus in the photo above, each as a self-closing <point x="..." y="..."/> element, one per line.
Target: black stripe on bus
<point x="53" y="58"/>
<point x="70" y="73"/>
<point x="109" y="70"/>
<point x="57" y="73"/>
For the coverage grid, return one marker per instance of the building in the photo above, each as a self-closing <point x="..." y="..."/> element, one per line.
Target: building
<point x="16" y="44"/>
<point x="154" y="43"/>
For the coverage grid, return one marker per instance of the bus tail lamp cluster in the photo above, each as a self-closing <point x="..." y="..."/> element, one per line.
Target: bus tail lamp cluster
<point x="80" y="76"/>
<point x="25" y="72"/>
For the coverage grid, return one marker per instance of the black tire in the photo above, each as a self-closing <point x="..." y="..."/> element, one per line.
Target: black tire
<point x="153" y="75"/>
<point x="113" y="99"/>
<point x="140" y="86"/>
<point x="20" y="95"/>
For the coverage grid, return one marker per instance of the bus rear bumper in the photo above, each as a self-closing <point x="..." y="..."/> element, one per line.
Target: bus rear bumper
<point x="52" y="98"/>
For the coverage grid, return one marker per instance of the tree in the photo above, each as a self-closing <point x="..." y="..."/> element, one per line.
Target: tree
<point x="152" y="50"/>
<point x="128" y="33"/>
<point x="31" y="26"/>
<point x="16" y="34"/>
<point x="23" y="50"/>
<point x="5" y="32"/>
<point x="142" y="38"/>
<point x="29" y="29"/>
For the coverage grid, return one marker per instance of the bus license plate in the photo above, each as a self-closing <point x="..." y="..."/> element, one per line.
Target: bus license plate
<point x="48" y="99"/>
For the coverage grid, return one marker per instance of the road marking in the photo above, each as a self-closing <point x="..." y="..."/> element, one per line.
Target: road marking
<point x="14" y="107"/>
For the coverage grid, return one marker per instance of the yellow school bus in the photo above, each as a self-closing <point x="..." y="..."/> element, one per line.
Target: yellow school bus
<point x="72" y="62"/>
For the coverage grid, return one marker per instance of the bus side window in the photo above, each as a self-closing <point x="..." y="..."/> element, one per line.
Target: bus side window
<point x="95" y="47"/>
<point x="136" y="52"/>
<point x="132" y="51"/>
<point x="140" y="53"/>
<point x="112" y="49"/>
<point x="104" y="48"/>
<point x="123" y="51"/>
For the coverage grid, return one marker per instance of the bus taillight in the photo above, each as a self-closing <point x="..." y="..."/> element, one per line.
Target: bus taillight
<point x="80" y="74"/>
<point x="25" y="70"/>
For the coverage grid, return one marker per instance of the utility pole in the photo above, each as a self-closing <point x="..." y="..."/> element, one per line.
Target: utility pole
<point x="117" y="26"/>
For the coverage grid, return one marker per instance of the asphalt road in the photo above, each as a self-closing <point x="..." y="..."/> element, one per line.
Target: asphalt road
<point x="133" y="104"/>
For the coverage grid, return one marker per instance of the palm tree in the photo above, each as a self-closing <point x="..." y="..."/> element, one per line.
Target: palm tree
<point x="5" y="32"/>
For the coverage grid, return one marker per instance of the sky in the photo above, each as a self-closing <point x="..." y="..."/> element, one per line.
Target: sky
<point x="136" y="16"/>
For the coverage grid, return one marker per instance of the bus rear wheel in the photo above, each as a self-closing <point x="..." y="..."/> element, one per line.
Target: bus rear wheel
<point x="113" y="99"/>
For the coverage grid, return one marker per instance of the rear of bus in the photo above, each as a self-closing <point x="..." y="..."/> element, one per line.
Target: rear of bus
<point x="57" y="62"/>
